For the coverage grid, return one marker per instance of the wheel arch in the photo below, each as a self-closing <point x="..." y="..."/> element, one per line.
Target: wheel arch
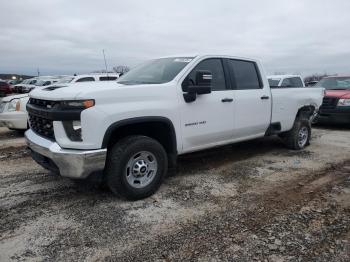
<point x="156" y="127"/>
<point x="306" y="111"/>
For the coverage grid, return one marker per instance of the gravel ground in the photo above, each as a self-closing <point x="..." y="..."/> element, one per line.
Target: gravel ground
<point x="254" y="201"/>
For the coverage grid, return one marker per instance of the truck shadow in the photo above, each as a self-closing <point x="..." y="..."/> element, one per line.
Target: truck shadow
<point x="213" y="158"/>
<point x="6" y="133"/>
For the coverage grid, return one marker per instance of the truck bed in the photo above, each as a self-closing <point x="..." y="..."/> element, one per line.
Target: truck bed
<point x="286" y="102"/>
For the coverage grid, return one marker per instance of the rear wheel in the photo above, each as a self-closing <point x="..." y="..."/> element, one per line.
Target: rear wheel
<point x="299" y="136"/>
<point x="136" y="166"/>
<point x="314" y="118"/>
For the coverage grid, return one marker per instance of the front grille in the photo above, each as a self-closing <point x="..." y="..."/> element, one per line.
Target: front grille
<point x="39" y="122"/>
<point x="42" y="103"/>
<point x="329" y="102"/>
<point x="41" y="126"/>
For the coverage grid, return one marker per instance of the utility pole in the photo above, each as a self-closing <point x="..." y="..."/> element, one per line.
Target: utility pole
<point x="104" y="57"/>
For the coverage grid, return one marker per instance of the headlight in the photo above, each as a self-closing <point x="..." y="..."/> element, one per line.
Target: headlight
<point x="79" y="104"/>
<point x="14" y="105"/>
<point x="344" y="102"/>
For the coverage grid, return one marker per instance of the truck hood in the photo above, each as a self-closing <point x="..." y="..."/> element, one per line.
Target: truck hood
<point x="338" y="93"/>
<point x="9" y="98"/>
<point x="74" y="90"/>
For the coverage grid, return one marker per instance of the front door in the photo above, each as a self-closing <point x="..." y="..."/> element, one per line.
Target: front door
<point x="208" y="120"/>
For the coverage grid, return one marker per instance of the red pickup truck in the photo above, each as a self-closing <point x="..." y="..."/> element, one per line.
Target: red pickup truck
<point x="336" y="102"/>
<point x="5" y="88"/>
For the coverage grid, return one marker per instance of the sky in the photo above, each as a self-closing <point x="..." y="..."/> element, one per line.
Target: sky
<point x="68" y="36"/>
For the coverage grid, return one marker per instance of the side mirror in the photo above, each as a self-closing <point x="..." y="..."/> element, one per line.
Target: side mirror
<point x="203" y="78"/>
<point x="201" y="86"/>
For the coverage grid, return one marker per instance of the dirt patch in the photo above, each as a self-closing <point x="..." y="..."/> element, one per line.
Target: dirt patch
<point x="6" y="133"/>
<point x="288" y="222"/>
<point x="13" y="153"/>
<point x="248" y="202"/>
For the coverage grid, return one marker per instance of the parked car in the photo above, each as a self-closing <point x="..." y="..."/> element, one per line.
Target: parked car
<point x="5" y="88"/>
<point x="13" y="113"/>
<point x="14" y="81"/>
<point x="286" y="81"/>
<point x="93" y="78"/>
<point x="311" y="83"/>
<point x="85" y="78"/>
<point x="157" y="111"/>
<point x="336" y="103"/>
<point x="24" y="84"/>
<point x="40" y="83"/>
<point x="16" y="117"/>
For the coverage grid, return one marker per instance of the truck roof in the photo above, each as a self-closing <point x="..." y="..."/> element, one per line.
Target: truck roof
<point x="210" y="55"/>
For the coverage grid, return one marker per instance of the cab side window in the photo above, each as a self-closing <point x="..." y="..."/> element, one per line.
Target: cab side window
<point x="214" y="65"/>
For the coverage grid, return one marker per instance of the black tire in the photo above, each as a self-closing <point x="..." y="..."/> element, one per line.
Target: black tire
<point x="291" y="138"/>
<point x="118" y="158"/>
<point x="314" y="119"/>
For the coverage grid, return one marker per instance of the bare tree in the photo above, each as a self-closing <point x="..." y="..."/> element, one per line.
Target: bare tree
<point x="121" y="69"/>
<point x="315" y="77"/>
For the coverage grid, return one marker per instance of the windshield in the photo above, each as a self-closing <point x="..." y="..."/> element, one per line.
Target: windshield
<point x="336" y="83"/>
<point x="157" y="71"/>
<point x="274" y="81"/>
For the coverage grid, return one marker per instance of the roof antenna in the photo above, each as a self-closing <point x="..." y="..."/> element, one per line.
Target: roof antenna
<point x="104" y="57"/>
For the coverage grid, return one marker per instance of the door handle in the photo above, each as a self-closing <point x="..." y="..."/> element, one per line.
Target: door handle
<point x="265" y="97"/>
<point x="225" y="100"/>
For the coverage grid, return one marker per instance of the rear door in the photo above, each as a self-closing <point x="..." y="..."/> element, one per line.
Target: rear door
<point x="252" y="100"/>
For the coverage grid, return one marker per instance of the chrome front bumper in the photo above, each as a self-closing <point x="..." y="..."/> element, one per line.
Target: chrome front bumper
<point x="71" y="163"/>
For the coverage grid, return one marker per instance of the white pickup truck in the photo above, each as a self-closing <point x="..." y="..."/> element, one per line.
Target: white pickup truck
<point x="135" y="128"/>
<point x="285" y="81"/>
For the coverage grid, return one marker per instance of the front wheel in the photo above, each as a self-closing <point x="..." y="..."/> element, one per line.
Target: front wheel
<point x="299" y="136"/>
<point x="135" y="167"/>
